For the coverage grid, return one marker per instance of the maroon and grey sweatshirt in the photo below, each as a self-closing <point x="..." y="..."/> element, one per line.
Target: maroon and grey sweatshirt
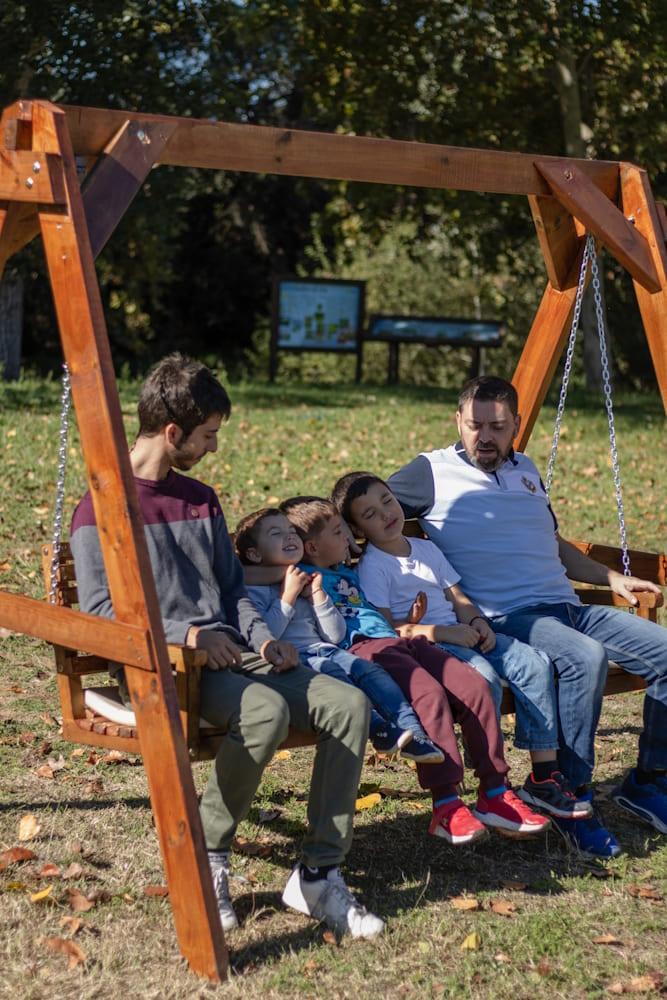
<point x="198" y="577"/>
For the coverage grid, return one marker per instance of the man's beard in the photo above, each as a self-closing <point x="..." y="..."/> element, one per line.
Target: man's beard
<point x="488" y="464"/>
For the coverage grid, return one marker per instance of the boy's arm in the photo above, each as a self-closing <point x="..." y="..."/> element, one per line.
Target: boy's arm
<point x="275" y="612"/>
<point x="471" y="617"/>
<point x="330" y="623"/>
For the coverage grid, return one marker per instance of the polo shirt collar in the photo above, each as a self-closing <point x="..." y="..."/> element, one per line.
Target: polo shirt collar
<point x="462" y="454"/>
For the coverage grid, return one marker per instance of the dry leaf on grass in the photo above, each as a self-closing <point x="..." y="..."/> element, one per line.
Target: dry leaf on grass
<point x="515" y="886"/>
<point x="330" y="938"/>
<point x="27" y="737"/>
<point x="115" y="757"/>
<point x="471" y="942"/>
<point x="78" y="902"/>
<point x="75" y="870"/>
<point x="44" y="772"/>
<point x="64" y="946"/>
<point x="367" y="801"/>
<point x="253" y="849"/>
<point x="49" y="871"/>
<point x="73" y="924"/>
<point x="282" y="755"/>
<point x="502" y="958"/>
<point x="78" y="752"/>
<point x="268" y="815"/>
<point x="543" y="967"/>
<point x="645" y="892"/>
<point x="43" y="894"/>
<point x="156" y="890"/>
<point x="639" y="984"/>
<point x="94" y="787"/>
<point x="607" y="939"/>
<point x="465" y="903"/>
<point x="29" y="827"/>
<point x="503" y="907"/>
<point x="14" y="855"/>
<point x="5" y="633"/>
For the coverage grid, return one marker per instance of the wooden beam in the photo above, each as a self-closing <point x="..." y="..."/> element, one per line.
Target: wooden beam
<point x="583" y="199"/>
<point x="262" y="149"/>
<point x="639" y="203"/>
<point x="31" y="177"/>
<point x="113" y="640"/>
<point x="542" y="350"/>
<point x="662" y="216"/>
<point x="118" y="175"/>
<point x="557" y="236"/>
<point x="132" y="589"/>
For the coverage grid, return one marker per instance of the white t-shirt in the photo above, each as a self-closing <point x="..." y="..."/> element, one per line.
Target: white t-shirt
<point x="394" y="581"/>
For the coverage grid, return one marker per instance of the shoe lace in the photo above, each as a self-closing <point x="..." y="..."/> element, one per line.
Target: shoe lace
<point x="338" y="888"/>
<point x="220" y="874"/>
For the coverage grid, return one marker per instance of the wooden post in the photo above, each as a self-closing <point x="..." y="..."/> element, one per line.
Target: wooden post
<point x="120" y="527"/>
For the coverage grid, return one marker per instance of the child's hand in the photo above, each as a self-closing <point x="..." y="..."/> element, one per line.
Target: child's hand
<point x="294" y="582"/>
<point x="317" y="593"/>
<point x="417" y="609"/>
<point x="487" y="637"/>
<point x="462" y="635"/>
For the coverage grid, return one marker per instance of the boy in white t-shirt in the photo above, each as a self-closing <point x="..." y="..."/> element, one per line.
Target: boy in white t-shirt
<point x="394" y="569"/>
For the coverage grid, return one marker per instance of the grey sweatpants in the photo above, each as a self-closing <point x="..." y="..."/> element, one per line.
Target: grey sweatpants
<point x="255" y="706"/>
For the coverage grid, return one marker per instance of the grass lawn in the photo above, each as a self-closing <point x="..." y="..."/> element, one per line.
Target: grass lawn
<point x="536" y="921"/>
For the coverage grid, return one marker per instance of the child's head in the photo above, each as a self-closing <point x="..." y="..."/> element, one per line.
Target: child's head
<point x="321" y="529"/>
<point x="266" y="537"/>
<point x="369" y="507"/>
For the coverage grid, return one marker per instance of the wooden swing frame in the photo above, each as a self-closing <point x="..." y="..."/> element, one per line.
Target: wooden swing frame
<point x="41" y="191"/>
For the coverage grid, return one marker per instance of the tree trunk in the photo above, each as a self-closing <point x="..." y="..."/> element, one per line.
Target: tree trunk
<point x="11" y="327"/>
<point x="575" y="133"/>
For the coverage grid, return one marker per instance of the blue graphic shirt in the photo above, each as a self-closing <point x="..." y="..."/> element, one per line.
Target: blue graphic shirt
<point x="362" y="620"/>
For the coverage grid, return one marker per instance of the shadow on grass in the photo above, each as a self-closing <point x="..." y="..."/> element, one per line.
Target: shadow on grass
<point x="85" y="805"/>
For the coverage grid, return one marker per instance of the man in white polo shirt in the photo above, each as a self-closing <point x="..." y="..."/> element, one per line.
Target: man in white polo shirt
<point x="485" y="506"/>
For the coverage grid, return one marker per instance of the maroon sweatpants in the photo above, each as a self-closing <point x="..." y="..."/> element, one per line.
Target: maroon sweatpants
<point x="443" y="690"/>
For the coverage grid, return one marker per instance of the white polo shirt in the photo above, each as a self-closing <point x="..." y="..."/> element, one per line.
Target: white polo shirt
<point x="496" y="528"/>
<point x="394" y="581"/>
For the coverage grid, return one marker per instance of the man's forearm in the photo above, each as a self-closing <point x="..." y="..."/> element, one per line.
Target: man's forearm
<point x="580" y="567"/>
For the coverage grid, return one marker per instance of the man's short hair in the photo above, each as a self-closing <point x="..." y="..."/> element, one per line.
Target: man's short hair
<point x="179" y="390"/>
<point x="309" y="515"/>
<point x="490" y="389"/>
<point x="246" y="535"/>
<point x="349" y="488"/>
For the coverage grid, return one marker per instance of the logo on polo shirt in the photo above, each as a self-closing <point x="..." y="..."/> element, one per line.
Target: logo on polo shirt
<point x="528" y="484"/>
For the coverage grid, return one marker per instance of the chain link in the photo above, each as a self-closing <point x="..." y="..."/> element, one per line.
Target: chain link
<point x="590" y="255"/>
<point x="65" y="402"/>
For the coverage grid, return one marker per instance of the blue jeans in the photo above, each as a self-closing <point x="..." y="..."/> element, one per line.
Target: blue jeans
<point x="579" y="641"/>
<point x="530" y="676"/>
<point x="387" y="700"/>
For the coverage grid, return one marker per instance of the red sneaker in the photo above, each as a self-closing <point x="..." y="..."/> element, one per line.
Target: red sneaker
<point x="507" y="814"/>
<point x="455" y="823"/>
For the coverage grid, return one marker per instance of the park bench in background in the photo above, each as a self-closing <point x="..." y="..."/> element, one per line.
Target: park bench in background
<point x="97" y="716"/>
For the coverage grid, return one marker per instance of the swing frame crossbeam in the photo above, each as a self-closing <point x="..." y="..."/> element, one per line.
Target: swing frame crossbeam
<point x="41" y="191"/>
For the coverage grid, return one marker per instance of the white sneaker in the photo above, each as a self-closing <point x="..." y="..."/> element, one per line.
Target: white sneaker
<point x="220" y="875"/>
<point x="329" y="899"/>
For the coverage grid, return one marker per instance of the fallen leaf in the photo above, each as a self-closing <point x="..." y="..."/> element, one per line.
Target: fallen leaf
<point x="50" y="720"/>
<point x="78" y="752"/>
<point x="415" y="805"/>
<point x="503" y="907"/>
<point x="57" y="765"/>
<point x="14" y="855"/>
<point x="465" y="903"/>
<point x="128" y="898"/>
<point x="38" y="897"/>
<point x="49" y="871"/>
<point x="368" y="801"/>
<point x="5" y="633"/>
<point x="44" y="772"/>
<point x="282" y="755"/>
<point x="46" y="748"/>
<point x="645" y="984"/>
<point x="471" y="942"/>
<point x="29" y="827"/>
<point x="73" y="924"/>
<point x="515" y="886"/>
<point x="73" y="871"/>
<point x="114" y="757"/>
<point x="502" y="958"/>
<point x="607" y="939"/>
<point x="99" y="896"/>
<point x="156" y="890"/>
<point x="27" y="737"/>
<point x="616" y="987"/>
<point x="268" y="815"/>
<point x="94" y="787"/>
<point x="76" y="847"/>
<point x="330" y="938"/>
<point x="15" y="887"/>
<point x="63" y="946"/>
<point x="78" y="901"/>
<point x="253" y="849"/>
<point x="543" y="967"/>
<point x="645" y="892"/>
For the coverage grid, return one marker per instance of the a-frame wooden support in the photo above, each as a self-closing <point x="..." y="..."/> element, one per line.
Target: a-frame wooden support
<point x="40" y="190"/>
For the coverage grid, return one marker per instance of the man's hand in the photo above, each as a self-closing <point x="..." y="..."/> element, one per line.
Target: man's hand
<point x="222" y="651"/>
<point x="624" y="586"/>
<point x="417" y="609"/>
<point x="295" y="581"/>
<point x="487" y="637"/>
<point x="283" y="655"/>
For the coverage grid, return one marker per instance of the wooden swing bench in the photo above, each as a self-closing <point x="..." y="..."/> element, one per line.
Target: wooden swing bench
<point x="96" y="715"/>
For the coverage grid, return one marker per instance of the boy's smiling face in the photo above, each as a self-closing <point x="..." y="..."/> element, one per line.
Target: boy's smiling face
<point x="378" y="515"/>
<point x="278" y="543"/>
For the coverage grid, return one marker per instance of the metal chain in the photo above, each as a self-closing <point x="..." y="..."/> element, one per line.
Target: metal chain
<point x="590" y="254"/>
<point x="609" y="406"/>
<point x="589" y="245"/>
<point x="65" y="402"/>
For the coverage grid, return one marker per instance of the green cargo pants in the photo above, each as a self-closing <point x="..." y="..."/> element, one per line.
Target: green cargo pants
<point x="255" y="706"/>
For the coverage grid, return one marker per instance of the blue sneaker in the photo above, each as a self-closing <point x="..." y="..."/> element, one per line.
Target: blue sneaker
<point x="588" y="836"/>
<point x="385" y="738"/>
<point x="647" y="802"/>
